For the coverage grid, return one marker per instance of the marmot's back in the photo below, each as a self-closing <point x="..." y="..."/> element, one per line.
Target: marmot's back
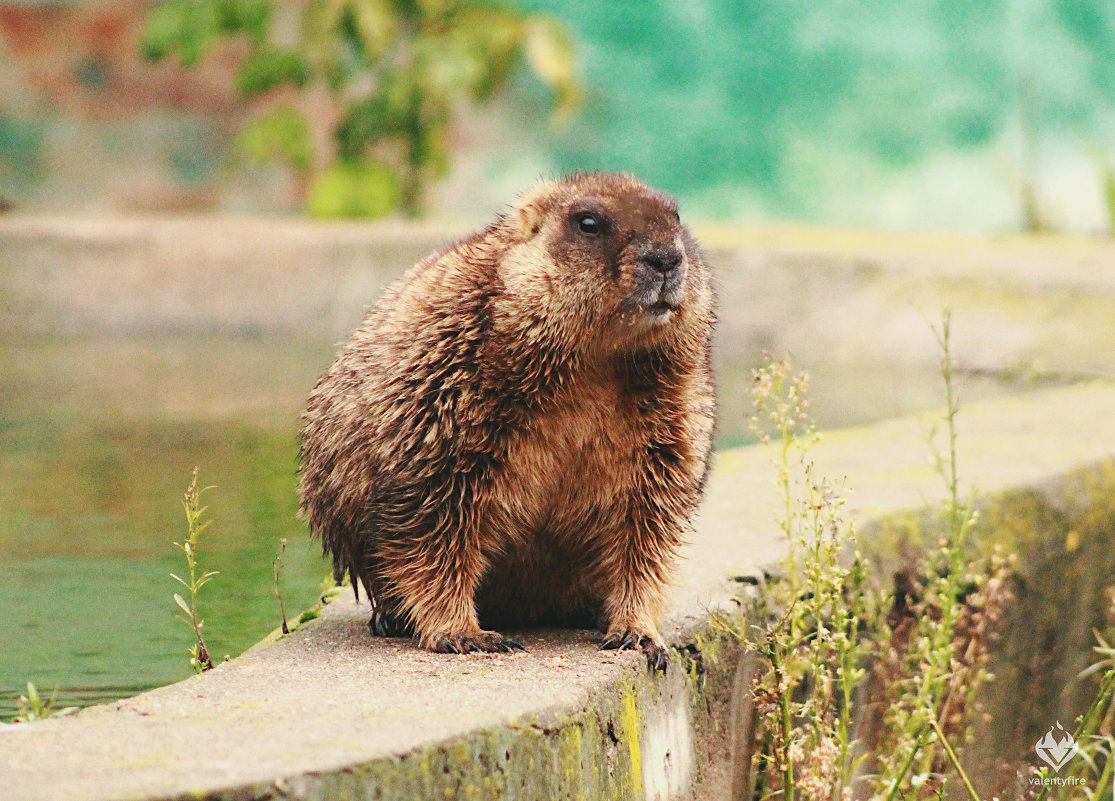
<point x="522" y="424"/>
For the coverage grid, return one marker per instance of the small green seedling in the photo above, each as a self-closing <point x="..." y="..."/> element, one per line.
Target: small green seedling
<point x="32" y="707"/>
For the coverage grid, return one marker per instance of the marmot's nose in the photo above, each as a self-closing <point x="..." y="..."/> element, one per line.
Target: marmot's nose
<point x="662" y="260"/>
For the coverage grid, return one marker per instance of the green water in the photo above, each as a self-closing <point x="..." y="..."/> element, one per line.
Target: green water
<point x="97" y="441"/>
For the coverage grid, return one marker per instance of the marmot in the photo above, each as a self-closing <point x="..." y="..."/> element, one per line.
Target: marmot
<point x="520" y="429"/>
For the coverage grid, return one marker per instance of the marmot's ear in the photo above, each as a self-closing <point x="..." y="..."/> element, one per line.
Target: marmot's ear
<point x="527" y="221"/>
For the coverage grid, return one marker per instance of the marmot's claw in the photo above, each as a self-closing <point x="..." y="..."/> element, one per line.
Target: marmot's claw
<point x="658" y="658"/>
<point x="622" y="640"/>
<point x="489" y="642"/>
<point x="389" y="624"/>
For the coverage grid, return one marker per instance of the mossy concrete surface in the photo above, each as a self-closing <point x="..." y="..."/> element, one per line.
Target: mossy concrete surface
<point x="328" y="712"/>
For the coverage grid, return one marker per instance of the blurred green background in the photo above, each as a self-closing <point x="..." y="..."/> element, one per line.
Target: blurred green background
<point x="944" y="115"/>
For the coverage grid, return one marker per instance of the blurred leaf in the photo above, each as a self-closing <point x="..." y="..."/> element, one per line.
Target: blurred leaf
<point x="366" y="122"/>
<point x="160" y="31"/>
<point x="188" y="27"/>
<point x="472" y="52"/>
<point x="375" y="24"/>
<point x="396" y="72"/>
<point x="279" y="134"/>
<point x="321" y="20"/>
<point x="353" y="189"/>
<point x="322" y="43"/>
<point x="269" y="67"/>
<point x="245" y="16"/>
<point x="433" y="150"/>
<point x="436" y="9"/>
<point x="21" y="147"/>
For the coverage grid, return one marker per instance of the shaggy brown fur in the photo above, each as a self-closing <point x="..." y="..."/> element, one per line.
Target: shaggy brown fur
<point x="520" y="429"/>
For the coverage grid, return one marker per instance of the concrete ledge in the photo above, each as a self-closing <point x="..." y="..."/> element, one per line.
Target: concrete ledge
<point x="67" y="275"/>
<point x="329" y="712"/>
<point x="809" y="290"/>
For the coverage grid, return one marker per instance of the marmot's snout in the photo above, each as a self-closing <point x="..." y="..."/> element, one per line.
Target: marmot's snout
<point x="660" y="278"/>
<point x="662" y="260"/>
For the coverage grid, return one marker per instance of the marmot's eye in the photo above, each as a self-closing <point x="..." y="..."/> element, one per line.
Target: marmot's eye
<point x="587" y="224"/>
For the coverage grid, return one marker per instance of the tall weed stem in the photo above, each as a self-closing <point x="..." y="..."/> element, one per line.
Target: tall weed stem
<point x="199" y="652"/>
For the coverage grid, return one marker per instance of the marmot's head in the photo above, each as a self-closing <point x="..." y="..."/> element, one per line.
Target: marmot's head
<point x="610" y="254"/>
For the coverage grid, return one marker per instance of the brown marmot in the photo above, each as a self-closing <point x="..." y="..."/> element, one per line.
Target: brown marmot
<point x="520" y="429"/>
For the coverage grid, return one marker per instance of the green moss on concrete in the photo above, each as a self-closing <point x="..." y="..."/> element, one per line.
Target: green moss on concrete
<point x="312" y="613"/>
<point x="590" y="755"/>
<point x="631" y="731"/>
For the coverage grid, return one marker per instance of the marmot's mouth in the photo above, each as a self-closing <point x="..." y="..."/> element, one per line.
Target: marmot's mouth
<point x="668" y="298"/>
<point x="655" y="302"/>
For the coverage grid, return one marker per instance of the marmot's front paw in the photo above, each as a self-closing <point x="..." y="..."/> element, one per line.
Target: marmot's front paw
<point x="658" y="658"/>
<point x="486" y="641"/>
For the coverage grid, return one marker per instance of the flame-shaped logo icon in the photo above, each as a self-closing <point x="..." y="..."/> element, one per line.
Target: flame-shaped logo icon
<point x="1057" y="746"/>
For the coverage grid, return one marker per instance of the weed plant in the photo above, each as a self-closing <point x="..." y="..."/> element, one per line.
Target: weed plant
<point x="1089" y="774"/>
<point x="810" y="638"/>
<point x="861" y="693"/>
<point x="33" y="706"/>
<point x="276" y="570"/>
<point x="199" y="652"/>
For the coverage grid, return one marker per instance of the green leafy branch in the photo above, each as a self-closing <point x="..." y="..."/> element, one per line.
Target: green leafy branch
<point x="386" y="78"/>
